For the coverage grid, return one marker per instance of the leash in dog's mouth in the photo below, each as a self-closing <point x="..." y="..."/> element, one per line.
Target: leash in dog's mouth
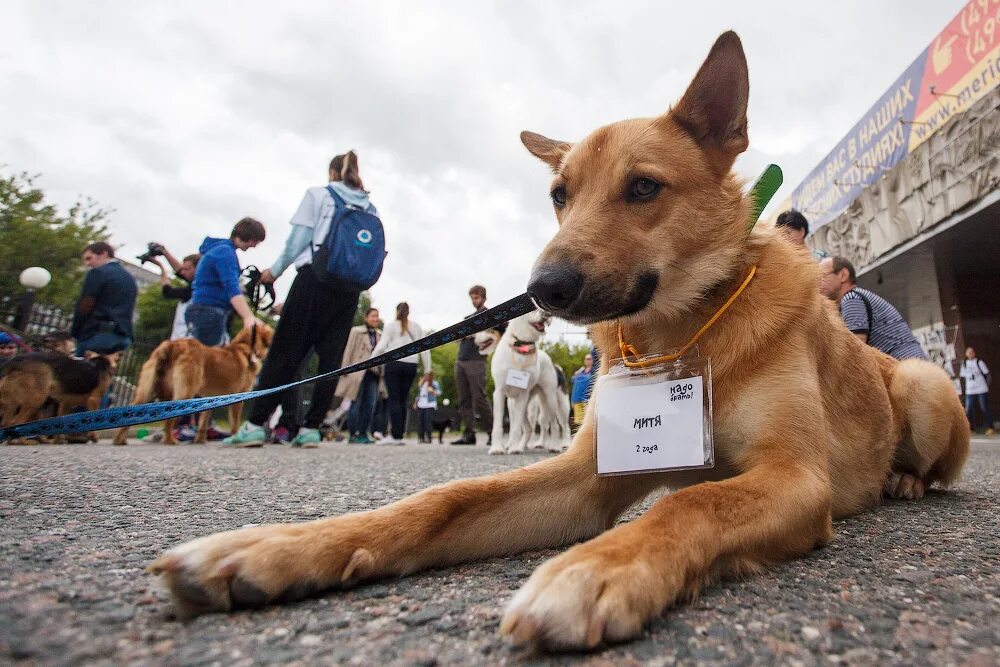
<point x="133" y="415"/>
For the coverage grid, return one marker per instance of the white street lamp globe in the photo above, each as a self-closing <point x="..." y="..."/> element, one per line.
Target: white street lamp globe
<point x="35" y="277"/>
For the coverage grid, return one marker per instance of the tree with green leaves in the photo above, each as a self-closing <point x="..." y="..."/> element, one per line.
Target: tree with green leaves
<point x="35" y="233"/>
<point x="364" y="303"/>
<point x="567" y="356"/>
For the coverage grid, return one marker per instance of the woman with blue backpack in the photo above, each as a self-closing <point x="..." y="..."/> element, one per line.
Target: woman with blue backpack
<point x="337" y="246"/>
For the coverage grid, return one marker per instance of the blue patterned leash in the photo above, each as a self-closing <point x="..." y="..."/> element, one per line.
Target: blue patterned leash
<point x="131" y="415"/>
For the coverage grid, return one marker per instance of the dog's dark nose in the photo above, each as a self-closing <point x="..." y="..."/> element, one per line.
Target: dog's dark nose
<point x="555" y="286"/>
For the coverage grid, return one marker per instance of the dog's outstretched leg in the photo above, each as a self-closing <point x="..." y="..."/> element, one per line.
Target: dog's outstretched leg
<point x="609" y="587"/>
<point x="453" y="523"/>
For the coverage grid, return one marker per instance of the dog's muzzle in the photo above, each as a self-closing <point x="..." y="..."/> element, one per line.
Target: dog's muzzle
<point x="560" y="289"/>
<point x="554" y="287"/>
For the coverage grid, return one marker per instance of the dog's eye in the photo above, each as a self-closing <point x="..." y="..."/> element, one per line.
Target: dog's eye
<point x="558" y="195"/>
<point x="643" y="188"/>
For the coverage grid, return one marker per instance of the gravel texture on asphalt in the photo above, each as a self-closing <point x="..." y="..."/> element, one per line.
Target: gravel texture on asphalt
<point x="908" y="583"/>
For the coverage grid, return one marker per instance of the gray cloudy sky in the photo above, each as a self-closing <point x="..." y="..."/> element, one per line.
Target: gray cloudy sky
<point x="186" y="116"/>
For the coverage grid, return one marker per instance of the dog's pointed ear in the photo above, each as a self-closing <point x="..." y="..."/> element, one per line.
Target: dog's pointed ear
<point x="714" y="107"/>
<point x="547" y="150"/>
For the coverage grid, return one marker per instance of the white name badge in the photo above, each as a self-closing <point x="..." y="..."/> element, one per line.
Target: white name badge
<point x="516" y="378"/>
<point x="655" y="419"/>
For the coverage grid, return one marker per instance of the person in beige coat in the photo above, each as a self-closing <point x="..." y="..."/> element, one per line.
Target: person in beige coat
<point x="360" y="389"/>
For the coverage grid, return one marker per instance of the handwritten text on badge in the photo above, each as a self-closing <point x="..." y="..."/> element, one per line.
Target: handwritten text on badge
<point x="516" y="378"/>
<point x="650" y="426"/>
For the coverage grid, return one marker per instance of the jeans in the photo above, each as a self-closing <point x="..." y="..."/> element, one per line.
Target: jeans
<point x="207" y="323"/>
<point x="399" y="377"/>
<point x="360" y="414"/>
<point x="103" y="343"/>
<point x="426" y="423"/>
<point x="970" y="408"/>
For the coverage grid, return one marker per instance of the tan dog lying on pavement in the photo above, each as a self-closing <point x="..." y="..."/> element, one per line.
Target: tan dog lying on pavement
<point x="810" y="424"/>
<point x="185" y="368"/>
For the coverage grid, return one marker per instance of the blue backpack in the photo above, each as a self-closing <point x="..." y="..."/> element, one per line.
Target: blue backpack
<point x="352" y="254"/>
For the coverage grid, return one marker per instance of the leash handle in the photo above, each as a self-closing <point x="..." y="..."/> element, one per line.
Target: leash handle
<point x="132" y="415"/>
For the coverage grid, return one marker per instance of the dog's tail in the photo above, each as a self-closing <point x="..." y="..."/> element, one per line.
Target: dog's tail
<point x="935" y="432"/>
<point x="152" y="372"/>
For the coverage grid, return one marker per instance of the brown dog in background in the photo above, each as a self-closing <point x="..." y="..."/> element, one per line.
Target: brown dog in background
<point x="29" y="381"/>
<point x="185" y="368"/>
<point x="810" y="424"/>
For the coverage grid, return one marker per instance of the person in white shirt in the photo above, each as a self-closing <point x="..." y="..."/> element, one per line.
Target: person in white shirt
<point x="426" y="404"/>
<point x="977" y="389"/>
<point x="315" y="316"/>
<point x="399" y="375"/>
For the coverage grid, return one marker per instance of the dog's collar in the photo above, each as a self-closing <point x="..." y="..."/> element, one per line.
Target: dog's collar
<point x="628" y="350"/>
<point x="523" y="347"/>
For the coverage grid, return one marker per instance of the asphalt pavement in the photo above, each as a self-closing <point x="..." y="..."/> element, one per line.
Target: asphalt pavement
<point x="908" y="583"/>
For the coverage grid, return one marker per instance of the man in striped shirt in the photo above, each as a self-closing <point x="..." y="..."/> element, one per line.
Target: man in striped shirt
<point x="869" y="317"/>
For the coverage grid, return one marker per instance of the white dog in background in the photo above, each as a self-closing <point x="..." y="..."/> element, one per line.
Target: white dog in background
<point x="557" y="427"/>
<point x="521" y="370"/>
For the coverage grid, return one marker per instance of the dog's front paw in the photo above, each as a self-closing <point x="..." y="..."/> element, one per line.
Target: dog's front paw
<point x="557" y="445"/>
<point x="253" y="567"/>
<point x="583" y="597"/>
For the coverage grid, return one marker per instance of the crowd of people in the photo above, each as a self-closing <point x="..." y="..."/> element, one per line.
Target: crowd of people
<point x="318" y="314"/>
<point x="878" y="323"/>
<point x="315" y="319"/>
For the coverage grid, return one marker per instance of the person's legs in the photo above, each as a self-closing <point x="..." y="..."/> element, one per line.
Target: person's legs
<point x="367" y="397"/>
<point x="335" y="313"/>
<point x="360" y="414"/>
<point x="399" y="378"/>
<point x="970" y="410"/>
<point x="380" y="415"/>
<point x="292" y="341"/>
<point x="984" y="407"/>
<point x="477" y="387"/>
<point x="465" y="400"/>
<point x="426" y="415"/>
<point x="290" y="402"/>
<point x="393" y="379"/>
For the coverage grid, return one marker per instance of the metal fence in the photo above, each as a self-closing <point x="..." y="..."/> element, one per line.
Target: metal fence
<point x="44" y="320"/>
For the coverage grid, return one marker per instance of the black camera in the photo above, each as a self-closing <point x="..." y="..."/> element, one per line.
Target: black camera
<point x="153" y="250"/>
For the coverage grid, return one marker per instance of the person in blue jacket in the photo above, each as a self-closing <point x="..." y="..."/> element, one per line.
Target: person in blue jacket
<point x="216" y="289"/>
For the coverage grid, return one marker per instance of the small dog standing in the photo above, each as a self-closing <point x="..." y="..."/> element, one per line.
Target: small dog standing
<point x="184" y="368"/>
<point x="28" y="381"/>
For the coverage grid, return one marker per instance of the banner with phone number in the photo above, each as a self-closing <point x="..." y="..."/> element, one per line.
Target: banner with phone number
<point x="958" y="67"/>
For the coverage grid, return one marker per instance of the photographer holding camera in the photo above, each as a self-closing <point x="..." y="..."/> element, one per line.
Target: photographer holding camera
<point x="183" y="269"/>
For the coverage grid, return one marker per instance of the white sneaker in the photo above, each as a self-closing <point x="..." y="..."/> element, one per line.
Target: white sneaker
<point x="387" y="440"/>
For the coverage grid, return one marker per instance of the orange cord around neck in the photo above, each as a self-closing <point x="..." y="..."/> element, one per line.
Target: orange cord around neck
<point x="628" y="349"/>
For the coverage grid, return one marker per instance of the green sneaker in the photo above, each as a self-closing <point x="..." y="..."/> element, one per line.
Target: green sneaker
<point x="248" y="435"/>
<point x="307" y="438"/>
